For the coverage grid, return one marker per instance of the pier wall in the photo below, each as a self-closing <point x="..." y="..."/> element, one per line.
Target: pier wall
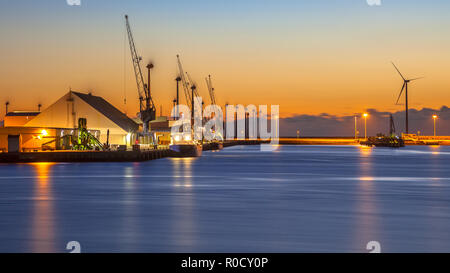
<point x="84" y="156"/>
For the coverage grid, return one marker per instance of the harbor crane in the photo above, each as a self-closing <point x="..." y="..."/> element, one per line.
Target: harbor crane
<point x="212" y="93"/>
<point x="147" y="109"/>
<point x="216" y="108"/>
<point x="211" y="90"/>
<point x="189" y="87"/>
<point x="391" y="126"/>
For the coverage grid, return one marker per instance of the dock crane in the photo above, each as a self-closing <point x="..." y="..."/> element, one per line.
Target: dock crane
<point x="217" y="135"/>
<point x="189" y="87"/>
<point x="147" y="109"/>
<point x="212" y="94"/>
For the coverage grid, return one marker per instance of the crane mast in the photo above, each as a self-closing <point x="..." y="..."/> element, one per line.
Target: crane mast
<point x="216" y="109"/>
<point x="193" y="85"/>
<point x="212" y="94"/>
<point x="184" y="81"/>
<point x="211" y="90"/>
<point x="188" y="84"/>
<point x="147" y="109"/>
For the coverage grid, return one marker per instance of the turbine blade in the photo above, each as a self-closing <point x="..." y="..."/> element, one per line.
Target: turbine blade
<point x="416" y="79"/>
<point x="398" y="71"/>
<point x="401" y="92"/>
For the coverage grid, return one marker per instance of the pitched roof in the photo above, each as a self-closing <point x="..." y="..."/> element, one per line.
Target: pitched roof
<point x="22" y="114"/>
<point x="109" y="111"/>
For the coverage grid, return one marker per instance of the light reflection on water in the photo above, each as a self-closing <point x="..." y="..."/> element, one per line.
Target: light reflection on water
<point x="43" y="223"/>
<point x="130" y="228"/>
<point x="183" y="226"/>
<point x="298" y="199"/>
<point x="366" y="222"/>
<point x="365" y="151"/>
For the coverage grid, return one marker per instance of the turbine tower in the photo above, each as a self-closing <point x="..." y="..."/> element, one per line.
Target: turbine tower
<point x="405" y="87"/>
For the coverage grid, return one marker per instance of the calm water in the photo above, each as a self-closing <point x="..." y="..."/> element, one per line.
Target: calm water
<point x="297" y="199"/>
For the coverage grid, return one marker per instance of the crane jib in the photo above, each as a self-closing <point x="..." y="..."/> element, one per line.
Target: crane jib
<point x="147" y="109"/>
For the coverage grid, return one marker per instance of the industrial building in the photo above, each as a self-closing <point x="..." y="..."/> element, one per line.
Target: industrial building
<point x="36" y="131"/>
<point x="161" y="130"/>
<point x="19" y="118"/>
<point x="31" y="139"/>
<point x="100" y="115"/>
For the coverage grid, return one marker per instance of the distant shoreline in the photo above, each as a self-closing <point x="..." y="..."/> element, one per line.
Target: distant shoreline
<point x="345" y="141"/>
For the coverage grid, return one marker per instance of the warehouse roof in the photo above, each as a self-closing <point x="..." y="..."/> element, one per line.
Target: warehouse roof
<point x="109" y="111"/>
<point x="22" y="114"/>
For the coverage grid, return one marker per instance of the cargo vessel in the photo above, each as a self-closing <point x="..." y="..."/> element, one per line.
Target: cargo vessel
<point x="182" y="145"/>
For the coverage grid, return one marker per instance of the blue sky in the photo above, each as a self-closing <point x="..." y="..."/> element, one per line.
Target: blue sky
<point x="303" y="55"/>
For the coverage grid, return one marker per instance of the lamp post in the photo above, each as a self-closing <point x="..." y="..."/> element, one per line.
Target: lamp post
<point x="276" y="127"/>
<point x="356" y="127"/>
<point x="434" y="122"/>
<point x="178" y="79"/>
<point x="365" y="115"/>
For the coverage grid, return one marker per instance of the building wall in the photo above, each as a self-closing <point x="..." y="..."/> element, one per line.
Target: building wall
<point x="11" y="121"/>
<point x="65" y="113"/>
<point x="32" y="138"/>
<point x="163" y="138"/>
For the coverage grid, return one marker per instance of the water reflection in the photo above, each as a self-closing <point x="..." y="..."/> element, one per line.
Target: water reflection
<point x="183" y="205"/>
<point x="130" y="230"/>
<point x="438" y="230"/>
<point x="365" y="151"/>
<point x="182" y="172"/>
<point x="43" y="222"/>
<point x="367" y="226"/>
<point x="435" y="149"/>
<point x="330" y="199"/>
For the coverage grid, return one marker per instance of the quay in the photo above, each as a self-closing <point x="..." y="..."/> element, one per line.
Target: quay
<point x="105" y="156"/>
<point x="84" y="156"/>
<point x="319" y="141"/>
<point x="146" y="155"/>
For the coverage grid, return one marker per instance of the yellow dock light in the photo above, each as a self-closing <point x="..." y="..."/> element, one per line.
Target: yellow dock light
<point x="44" y="133"/>
<point x="187" y="138"/>
<point x="365" y="115"/>
<point x="434" y="122"/>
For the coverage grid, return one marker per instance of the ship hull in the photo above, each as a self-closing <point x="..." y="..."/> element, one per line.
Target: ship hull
<point x="213" y="146"/>
<point x="384" y="142"/>
<point x="186" y="150"/>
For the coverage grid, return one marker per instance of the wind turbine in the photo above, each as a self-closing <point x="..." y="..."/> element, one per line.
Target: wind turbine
<point x="405" y="87"/>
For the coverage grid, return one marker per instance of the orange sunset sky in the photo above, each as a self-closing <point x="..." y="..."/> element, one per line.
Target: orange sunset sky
<point x="309" y="57"/>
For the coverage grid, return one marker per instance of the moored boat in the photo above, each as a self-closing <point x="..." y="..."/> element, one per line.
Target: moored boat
<point x="384" y="141"/>
<point x="186" y="150"/>
<point x="182" y="145"/>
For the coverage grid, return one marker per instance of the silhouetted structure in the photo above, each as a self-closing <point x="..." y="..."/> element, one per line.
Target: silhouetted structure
<point x="391" y="125"/>
<point x="405" y="87"/>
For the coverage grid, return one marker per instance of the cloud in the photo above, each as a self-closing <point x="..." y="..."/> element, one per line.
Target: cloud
<point x="377" y="122"/>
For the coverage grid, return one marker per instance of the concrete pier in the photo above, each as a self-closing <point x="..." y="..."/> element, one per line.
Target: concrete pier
<point x="229" y="143"/>
<point x="107" y="156"/>
<point x="84" y="156"/>
<point x="136" y="156"/>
